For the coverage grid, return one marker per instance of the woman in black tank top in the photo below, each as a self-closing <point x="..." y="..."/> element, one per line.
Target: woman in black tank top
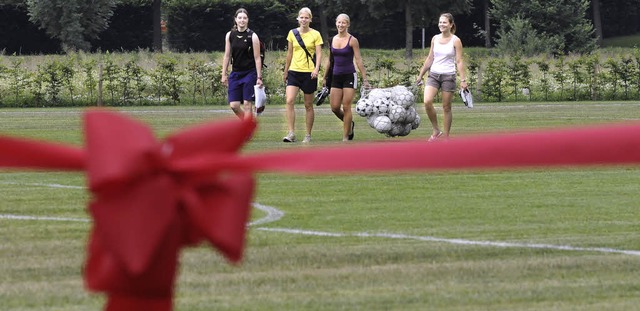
<point x="242" y="50"/>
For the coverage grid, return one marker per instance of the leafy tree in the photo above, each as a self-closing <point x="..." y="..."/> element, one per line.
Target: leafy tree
<point x="73" y="22"/>
<point x="416" y="14"/>
<point x="519" y="37"/>
<point x="565" y="21"/>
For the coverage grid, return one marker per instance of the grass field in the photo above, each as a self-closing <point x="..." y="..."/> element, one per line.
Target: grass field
<point x="535" y="239"/>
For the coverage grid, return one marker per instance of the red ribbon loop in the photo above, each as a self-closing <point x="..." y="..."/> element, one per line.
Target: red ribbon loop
<point x="145" y="209"/>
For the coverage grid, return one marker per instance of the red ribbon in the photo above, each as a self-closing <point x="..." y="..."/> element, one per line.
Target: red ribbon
<point x="151" y="199"/>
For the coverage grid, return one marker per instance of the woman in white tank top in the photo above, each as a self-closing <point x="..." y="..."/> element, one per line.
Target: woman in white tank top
<point x="443" y="61"/>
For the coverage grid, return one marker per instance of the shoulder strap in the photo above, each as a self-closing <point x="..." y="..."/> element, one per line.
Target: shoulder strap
<point x="296" y="33"/>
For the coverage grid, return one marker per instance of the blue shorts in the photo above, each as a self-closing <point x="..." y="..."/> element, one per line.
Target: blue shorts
<point x="241" y="85"/>
<point x="303" y="81"/>
<point x="345" y="81"/>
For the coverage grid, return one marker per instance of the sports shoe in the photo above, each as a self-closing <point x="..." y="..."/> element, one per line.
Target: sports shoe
<point x="321" y="96"/>
<point x="353" y="125"/>
<point x="307" y="139"/>
<point x="291" y="137"/>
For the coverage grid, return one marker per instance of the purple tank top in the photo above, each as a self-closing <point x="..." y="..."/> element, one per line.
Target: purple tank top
<point x="343" y="59"/>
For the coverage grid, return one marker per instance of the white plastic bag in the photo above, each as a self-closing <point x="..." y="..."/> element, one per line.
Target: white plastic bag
<point x="260" y="97"/>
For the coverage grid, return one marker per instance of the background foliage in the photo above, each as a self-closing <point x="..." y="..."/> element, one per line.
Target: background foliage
<point x="146" y="78"/>
<point x="197" y="25"/>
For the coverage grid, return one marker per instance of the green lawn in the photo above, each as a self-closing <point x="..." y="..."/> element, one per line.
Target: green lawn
<point x="622" y="41"/>
<point x="534" y="239"/>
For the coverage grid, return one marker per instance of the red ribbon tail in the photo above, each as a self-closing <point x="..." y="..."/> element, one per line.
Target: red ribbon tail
<point x="42" y="155"/>
<point x="130" y="303"/>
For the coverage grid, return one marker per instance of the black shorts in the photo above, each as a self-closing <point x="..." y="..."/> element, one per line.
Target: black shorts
<point x="345" y="81"/>
<point x="303" y="81"/>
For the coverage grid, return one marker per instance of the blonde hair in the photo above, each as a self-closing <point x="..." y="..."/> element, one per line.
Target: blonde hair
<point x="345" y="17"/>
<point x="306" y="10"/>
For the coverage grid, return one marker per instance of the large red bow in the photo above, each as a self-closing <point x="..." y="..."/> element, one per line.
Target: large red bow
<point x="144" y="207"/>
<point x="145" y="210"/>
<point x="153" y="198"/>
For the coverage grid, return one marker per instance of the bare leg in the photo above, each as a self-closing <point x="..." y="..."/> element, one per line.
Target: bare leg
<point x="347" y="98"/>
<point x="429" y="94"/>
<point x="235" y="107"/>
<point x="248" y="113"/>
<point x="290" y="113"/>
<point x="310" y="114"/>
<point x="336" y="101"/>
<point x="448" y="115"/>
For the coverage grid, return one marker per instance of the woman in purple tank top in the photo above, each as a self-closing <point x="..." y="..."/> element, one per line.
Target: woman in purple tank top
<point x="345" y="49"/>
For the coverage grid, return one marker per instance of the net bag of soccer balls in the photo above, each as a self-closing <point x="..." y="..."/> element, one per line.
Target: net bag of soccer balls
<point x="390" y="111"/>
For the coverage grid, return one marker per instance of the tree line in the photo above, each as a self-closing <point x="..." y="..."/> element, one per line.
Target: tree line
<point x="531" y="27"/>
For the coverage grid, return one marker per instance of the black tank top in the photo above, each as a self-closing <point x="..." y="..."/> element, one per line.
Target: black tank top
<point x="242" y="50"/>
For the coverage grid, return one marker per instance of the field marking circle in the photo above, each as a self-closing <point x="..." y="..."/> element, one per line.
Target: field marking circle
<point x="273" y="215"/>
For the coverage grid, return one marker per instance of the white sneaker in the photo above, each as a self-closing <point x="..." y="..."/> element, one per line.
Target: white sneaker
<point x="307" y="139"/>
<point x="291" y="137"/>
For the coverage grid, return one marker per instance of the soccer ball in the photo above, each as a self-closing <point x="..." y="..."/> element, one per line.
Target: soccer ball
<point x="382" y="124"/>
<point x="416" y="123"/>
<point x="402" y="96"/>
<point x="396" y="129"/>
<point x="361" y="107"/>
<point x="406" y="130"/>
<point x="380" y="107"/>
<point x="397" y="114"/>
<point x="410" y="115"/>
<point x="379" y="93"/>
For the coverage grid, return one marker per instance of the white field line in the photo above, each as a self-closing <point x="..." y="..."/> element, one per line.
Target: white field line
<point x="454" y="241"/>
<point x="273" y="215"/>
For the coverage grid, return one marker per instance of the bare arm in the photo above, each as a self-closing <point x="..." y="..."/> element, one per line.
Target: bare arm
<point x="256" y="56"/>
<point x="460" y="63"/>
<point x="355" y="44"/>
<point x="288" y="61"/>
<point x="226" y="59"/>
<point x="427" y="63"/>
<point x="328" y="67"/>
<point x="316" y="70"/>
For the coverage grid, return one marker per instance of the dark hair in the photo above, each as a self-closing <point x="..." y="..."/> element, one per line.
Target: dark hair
<point x="450" y="18"/>
<point x="240" y="10"/>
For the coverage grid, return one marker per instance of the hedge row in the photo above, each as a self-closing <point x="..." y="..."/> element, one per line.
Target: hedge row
<point x="146" y="78"/>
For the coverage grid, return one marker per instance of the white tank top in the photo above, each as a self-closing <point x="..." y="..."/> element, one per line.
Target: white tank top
<point x="444" y="56"/>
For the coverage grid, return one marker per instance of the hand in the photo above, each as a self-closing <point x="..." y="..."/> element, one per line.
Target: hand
<point x="419" y="82"/>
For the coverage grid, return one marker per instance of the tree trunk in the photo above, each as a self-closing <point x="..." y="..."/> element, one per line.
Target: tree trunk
<point x="324" y="25"/>
<point x="157" y="30"/>
<point x="408" y="21"/>
<point x="597" y="21"/>
<point x="487" y="24"/>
